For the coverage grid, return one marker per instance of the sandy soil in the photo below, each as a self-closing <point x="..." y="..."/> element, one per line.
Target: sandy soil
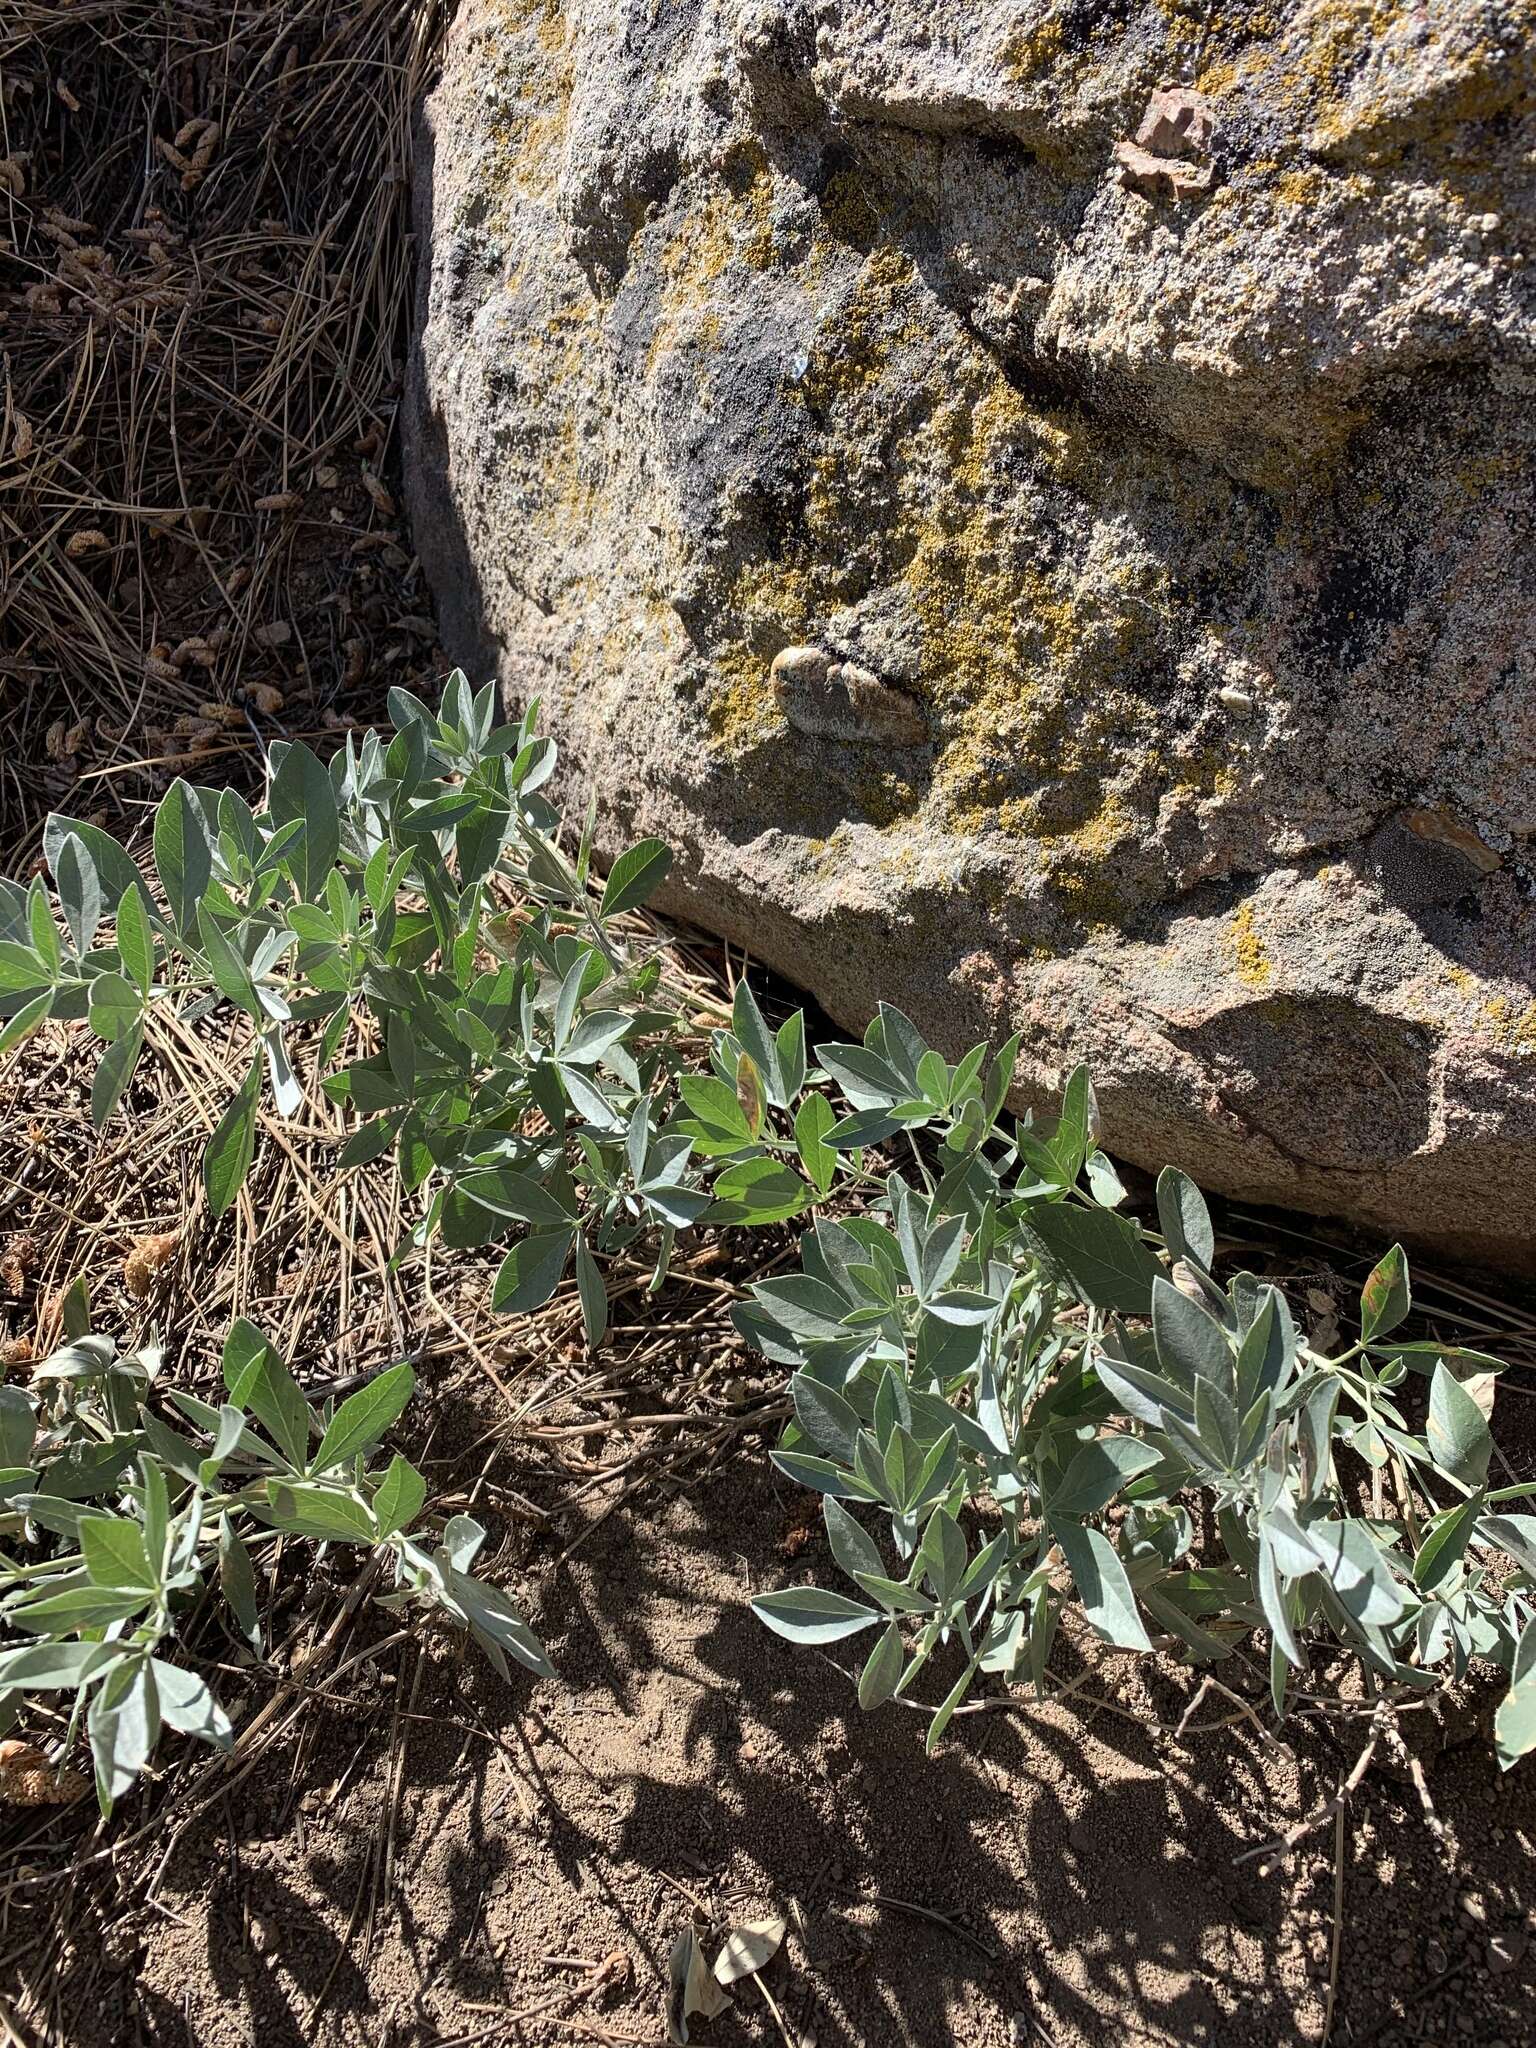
<point x="446" y="1859"/>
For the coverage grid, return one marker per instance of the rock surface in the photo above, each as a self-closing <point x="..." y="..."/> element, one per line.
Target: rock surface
<point x="1035" y="502"/>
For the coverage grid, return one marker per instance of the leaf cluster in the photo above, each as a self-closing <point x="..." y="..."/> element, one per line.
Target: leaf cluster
<point x="123" y="1512"/>
<point x="1010" y="1393"/>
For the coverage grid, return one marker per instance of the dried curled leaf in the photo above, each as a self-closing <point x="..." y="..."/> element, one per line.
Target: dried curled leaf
<point x="690" y="1989"/>
<point x="749" y="1947"/>
<point x="145" y="1260"/>
<point x="17" y="1260"/>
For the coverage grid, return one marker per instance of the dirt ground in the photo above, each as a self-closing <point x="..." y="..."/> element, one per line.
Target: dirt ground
<point x="446" y="1859"/>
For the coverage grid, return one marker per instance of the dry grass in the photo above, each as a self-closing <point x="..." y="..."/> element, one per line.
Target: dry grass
<point x="204" y="237"/>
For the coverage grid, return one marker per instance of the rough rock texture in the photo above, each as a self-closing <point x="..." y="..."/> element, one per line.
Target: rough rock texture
<point x="1119" y="418"/>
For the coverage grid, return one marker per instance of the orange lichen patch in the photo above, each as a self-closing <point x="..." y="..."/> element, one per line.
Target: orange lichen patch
<point x="1255" y="968"/>
<point x="1034" y="47"/>
<point x="1364" y="76"/>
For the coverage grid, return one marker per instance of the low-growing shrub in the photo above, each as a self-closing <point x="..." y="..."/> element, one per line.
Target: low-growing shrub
<point x="120" y="1522"/>
<point x="1034" y="1395"/>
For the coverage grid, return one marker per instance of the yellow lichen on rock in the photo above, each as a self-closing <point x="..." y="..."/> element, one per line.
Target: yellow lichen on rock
<point x="1255" y="968"/>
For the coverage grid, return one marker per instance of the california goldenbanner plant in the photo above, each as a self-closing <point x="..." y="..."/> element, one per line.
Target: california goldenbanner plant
<point x="144" y="1517"/>
<point x="1027" y="1389"/>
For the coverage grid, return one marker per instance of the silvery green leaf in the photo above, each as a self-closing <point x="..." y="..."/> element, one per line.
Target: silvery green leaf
<point x="530" y="1273"/>
<point x="1100" y="1253"/>
<point x="896" y="1039"/>
<point x="1273" y="1600"/>
<point x="1191" y="1345"/>
<point x="506" y="1192"/>
<point x="323" y="1513"/>
<point x="259" y="1381"/>
<point x="789" y="1045"/>
<point x="867" y="1080"/>
<point x="55" y="1666"/>
<point x="944" y="1554"/>
<point x="1314" y="1438"/>
<point x="592" y="1293"/>
<point x="1097" y="1473"/>
<point x="497" y="1625"/>
<point x="963" y="1306"/>
<point x="364" y="1417"/>
<point x="1077" y="1127"/>
<point x="827" y="1418"/>
<point x="401" y="1495"/>
<point x="588" y="1101"/>
<point x="635" y="877"/>
<point x="187" y="1705"/>
<point x="1514" y="1534"/>
<point x="115" y="1554"/>
<point x="1356" y="1572"/>
<point x="1102" y="1585"/>
<point x="1104" y="1182"/>
<point x="462" y="1540"/>
<point x="1445" y="1542"/>
<point x="596" y="1034"/>
<point x="1457" y="1432"/>
<point x="287" y="1094"/>
<point x="1386" y="1296"/>
<point x="1216" y="1424"/>
<point x="808" y="1308"/>
<point x="1184" y="1219"/>
<point x="940" y="1255"/>
<point x="1142" y="1394"/>
<point x="757" y="1041"/>
<point x="1295" y="1553"/>
<point x="302" y="793"/>
<point x="124" y="1725"/>
<point x="1515" y="1720"/>
<point x="114" y="1073"/>
<point x="238" y="1583"/>
<point x="850" y="1543"/>
<point x="85" y="1357"/>
<point x="18" y="1427"/>
<point x="1005" y="1642"/>
<point x="227" y="1160"/>
<point x="1267" y="1353"/>
<point x="116" y="1006"/>
<point x="183" y="854"/>
<point x="822" y="1475"/>
<point x="810" y="1614"/>
<point x="79" y="891"/>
